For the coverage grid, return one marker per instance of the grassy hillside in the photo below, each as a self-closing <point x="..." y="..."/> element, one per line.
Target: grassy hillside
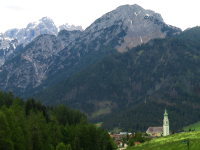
<point x="171" y="142"/>
<point x="195" y="126"/>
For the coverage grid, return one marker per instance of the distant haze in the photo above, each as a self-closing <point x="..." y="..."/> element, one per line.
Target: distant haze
<point x="17" y="14"/>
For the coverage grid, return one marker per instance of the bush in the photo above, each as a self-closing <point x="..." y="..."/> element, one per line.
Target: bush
<point x="61" y="146"/>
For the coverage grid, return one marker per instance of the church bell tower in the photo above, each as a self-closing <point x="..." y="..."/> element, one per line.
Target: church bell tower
<point x="165" y="124"/>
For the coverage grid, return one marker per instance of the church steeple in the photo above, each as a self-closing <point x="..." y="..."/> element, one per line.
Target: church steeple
<point x="165" y="124"/>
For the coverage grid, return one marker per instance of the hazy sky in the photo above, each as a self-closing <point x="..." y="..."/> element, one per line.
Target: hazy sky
<point x="18" y="13"/>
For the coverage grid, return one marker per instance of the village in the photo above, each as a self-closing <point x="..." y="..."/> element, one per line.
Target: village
<point x="125" y="139"/>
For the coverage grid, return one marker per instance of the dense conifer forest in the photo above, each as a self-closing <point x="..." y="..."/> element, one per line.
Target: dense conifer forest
<point x="32" y="126"/>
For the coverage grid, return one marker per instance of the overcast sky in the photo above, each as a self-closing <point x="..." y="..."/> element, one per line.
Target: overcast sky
<point x="18" y="13"/>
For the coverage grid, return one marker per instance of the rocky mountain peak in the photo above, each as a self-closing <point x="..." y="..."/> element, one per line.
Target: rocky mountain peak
<point x="44" y="25"/>
<point x="139" y="25"/>
<point x="128" y="14"/>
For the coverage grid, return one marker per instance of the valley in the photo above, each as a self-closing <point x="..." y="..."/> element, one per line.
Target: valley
<point x="122" y="71"/>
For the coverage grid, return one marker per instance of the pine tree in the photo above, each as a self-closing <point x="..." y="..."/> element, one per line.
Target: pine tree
<point x="22" y="121"/>
<point x="16" y="131"/>
<point x="55" y="134"/>
<point x="39" y="131"/>
<point x="5" y="134"/>
<point x="65" y="134"/>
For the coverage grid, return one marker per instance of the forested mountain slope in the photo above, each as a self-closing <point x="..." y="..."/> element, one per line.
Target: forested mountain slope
<point x="165" y="72"/>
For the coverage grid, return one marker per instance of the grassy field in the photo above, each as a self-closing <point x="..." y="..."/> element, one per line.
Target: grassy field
<point x="171" y="142"/>
<point x="195" y="126"/>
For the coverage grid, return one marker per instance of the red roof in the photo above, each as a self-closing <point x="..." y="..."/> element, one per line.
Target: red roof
<point x="111" y="136"/>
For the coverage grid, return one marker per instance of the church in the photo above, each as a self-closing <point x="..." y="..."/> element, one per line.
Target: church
<point x="158" y="131"/>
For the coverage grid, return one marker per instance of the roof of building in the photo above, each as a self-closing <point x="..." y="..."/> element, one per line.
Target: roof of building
<point x="155" y="130"/>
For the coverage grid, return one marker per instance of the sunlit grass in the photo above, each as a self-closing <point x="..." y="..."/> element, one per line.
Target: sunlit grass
<point x="195" y="126"/>
<point x="171" y="142"/>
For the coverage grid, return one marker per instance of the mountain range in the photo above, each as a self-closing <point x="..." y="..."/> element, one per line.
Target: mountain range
<point x="49" y="61"/>
<point x="127" y="56"/>
<point x="12" y="38"/>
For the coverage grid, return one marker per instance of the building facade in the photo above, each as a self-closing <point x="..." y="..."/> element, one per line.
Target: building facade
<point x="165" y="124"/>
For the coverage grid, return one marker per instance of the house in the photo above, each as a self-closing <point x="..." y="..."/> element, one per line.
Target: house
<point x="111" y="136"/>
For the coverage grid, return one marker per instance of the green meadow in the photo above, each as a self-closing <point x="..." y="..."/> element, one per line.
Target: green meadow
<point x="171" y="142"/>
<point x="195" y="126"/>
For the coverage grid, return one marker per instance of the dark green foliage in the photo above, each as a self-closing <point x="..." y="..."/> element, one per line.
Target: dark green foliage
<point x="61" y="146"/>
<point x="24" y="126"/>
<point x="131" y="141"/>
<point x="5" y="134"/>
<point x="66" y="115"/>
<point x="6" y="99"/>
<point x="173" y="132"/>
<point x="138" y="137"/>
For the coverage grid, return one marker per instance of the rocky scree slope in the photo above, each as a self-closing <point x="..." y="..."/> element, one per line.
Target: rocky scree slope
<point x="119" y="30"/>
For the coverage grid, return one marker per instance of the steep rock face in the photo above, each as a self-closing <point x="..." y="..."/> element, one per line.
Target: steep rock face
<point x="29" y="67"/>
<point x="8" y="48"/>
<point x="32" y="63"/>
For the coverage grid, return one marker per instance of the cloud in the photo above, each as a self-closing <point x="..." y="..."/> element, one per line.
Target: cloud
<point x="14" y="7"/>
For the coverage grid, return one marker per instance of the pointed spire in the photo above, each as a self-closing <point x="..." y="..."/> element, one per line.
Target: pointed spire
<point x="165" y="114"/>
